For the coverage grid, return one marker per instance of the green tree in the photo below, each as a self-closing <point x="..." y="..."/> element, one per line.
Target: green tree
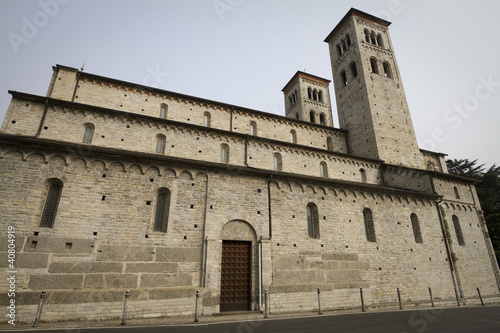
<point x="488" y="192"/>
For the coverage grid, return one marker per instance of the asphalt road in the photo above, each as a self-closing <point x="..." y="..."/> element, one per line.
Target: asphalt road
<point x="477" y="320"/>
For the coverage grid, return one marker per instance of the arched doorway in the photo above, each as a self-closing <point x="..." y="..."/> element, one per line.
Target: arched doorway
<point x="238" y="240"/>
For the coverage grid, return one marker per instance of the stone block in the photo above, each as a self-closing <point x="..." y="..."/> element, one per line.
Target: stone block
<point x="124" y="253"/>
<point x="295" y="277"/>
<point x="152" y="267"/>
<point x="287" y="262"/>
<point x="58" y="245"/>
<point x="295" y="288"/>
<point x="111" y="280"/>
<point x="169" y="254"/>
<point x="344" y="275"/>
<point x="32" y="260"/>
<point x="172" y="293"/>
<point x="339" y="256"/>
<point x="166" y="280"/>
<point x="55" y="281"/>
<point x="86" y="267"/>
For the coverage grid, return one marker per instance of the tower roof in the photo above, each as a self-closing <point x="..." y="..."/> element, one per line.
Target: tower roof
<point x="307" y="76"/>
<point x="358" y="13"/>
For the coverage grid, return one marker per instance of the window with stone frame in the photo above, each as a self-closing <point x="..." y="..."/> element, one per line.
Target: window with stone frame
<point x="458" y="230"/>
<point x="224" y="153"/>
<point x="88" y="133"/>
<point x="278" y="162"/>
<point x="54" y="189"/>
<point x="162" y="210"/>
<point x="415" y="224"/>
<point x="369" y="225"/>
<point x="161" y="141"/>
<point x="312" y="220"/>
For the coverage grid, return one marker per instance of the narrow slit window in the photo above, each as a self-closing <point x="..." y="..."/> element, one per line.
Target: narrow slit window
<point x="51" y="203"/>
<point x="293" y="136"/>
<point x="163" y="111"/>
<point x="278" y="162"/>
<point x="369" y="225"/>
<point x="363" y="175"/>
<point x="329" y="143"/>
<point x="253" y="128"/>
<point x="416" y="228"/>
<point x="160" y="144"/>
<point x="312" y="220"/>
<point x="457" y="194"/>
<point x="162" y="211"/>
<point x="312" y="117"/>
<point x="458" y="230"/>
<point x="354" y="69"/>
<point x="224" y="153"/>
<point x="323" y="169"/>
<point x="206" y="119"/>
<point x="88" y="134"/>
<point x="343" y="77"/>
<point x="322" y="119"/>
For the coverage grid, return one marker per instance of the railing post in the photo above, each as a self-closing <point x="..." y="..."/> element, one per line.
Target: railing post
<point x="480" y="297"/>
<point x="432" y="299"/>
<point x="125" y="305"/>
<point x="266" y="304"/>
<point x="362" y="300"/>
<point x="39" y="311"/>
<point x="319" y="301"/>
<point x="399" y="299"/>
<point x="196" y="306"/>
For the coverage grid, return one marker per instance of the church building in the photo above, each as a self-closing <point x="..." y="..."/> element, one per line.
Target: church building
<point x="113" y="186"/>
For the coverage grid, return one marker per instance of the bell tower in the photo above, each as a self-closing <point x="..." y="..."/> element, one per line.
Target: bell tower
<point x="307" y="97"/>
<point x="371" y="101"/>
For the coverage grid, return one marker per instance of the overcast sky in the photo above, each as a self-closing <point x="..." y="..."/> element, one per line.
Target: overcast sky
<point x="243" y="52"/>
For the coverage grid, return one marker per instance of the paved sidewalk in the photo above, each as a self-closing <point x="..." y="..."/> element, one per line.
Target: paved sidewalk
<point x="73" y="326"/>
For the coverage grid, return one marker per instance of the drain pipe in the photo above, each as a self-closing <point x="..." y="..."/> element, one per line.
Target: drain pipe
<point x="260" y="275"/>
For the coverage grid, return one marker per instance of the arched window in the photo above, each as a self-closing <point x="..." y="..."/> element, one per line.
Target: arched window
<point x="373" y="38"/>
<point x="367" y="36"/>
<point x="312" y="220"/>
<point x="416" y="228"/>
<point x="369" y="225"/>
<point x="380" y="42"/>
<point x="315" y="95"/>
<point x="293" y="136"/>
<point x="322" y="119"/>
<point x="51" y="203"/>
<point x="387" y="70"/>
<point x="348" y="40"/>
<point x="162" y="210"/>
<point x="323" y="169"/>
<point x="430" y="166"/>
<point x="309" y="93"/>
<point x="163" y="111"/>
<point x="373" y="63"/>
<point x="320" y="96"/>
<point x="363" y="175"/>
<point x="89" y="133"/>
<point x="278" y="162"/>
<point x="339" y="50"/>
<point x="458" y="230"/>
<point x="206" y="119"/>
<point x="312" y="116"/>
<point x="297" y="116"/>
<point x="353" y="69"/>
<point x="457" y="195"/>
<point x="224" y="153"/>
<point x="253" y="128"/>
<point x="329" y="143"/>
<point x="343" y="77"/>
<point x="160" y="143"/>
<point x="290" y="100"/>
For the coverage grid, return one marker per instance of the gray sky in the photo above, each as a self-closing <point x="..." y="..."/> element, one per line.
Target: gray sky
<point x="244" y="51"/>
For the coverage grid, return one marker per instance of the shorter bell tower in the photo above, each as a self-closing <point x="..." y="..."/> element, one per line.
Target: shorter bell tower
<point x="307" y="98"/>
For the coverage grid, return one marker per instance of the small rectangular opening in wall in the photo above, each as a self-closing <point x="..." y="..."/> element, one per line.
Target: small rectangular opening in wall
<point x="151" y="179"/>
<point x="35" y="233"/>
<point x="259" y="190"/>
<point x="185" y="237"/>
<point x="95" y="233"/>
<point x="13" y="121"/>
<point x="33" y="244"/>
<point x="45" y="127"/>
<point x="146" y="236"/>
<point x="102" y="136"/>
<point x="196" y="226"/>
<point x="68" y="246"/>
<point x="192" y="206"/>
<point x="103" y="175"/>
<point x="103" y="198"/>
<point x="148" y="203"/>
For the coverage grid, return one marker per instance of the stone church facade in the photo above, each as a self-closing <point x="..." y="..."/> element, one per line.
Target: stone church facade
<point x="114" y="186"/>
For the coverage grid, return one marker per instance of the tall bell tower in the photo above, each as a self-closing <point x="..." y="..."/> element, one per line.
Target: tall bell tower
<point x="371" y="101"/>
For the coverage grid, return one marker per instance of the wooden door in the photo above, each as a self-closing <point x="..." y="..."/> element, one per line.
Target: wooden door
<point x="235" y="275"/>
